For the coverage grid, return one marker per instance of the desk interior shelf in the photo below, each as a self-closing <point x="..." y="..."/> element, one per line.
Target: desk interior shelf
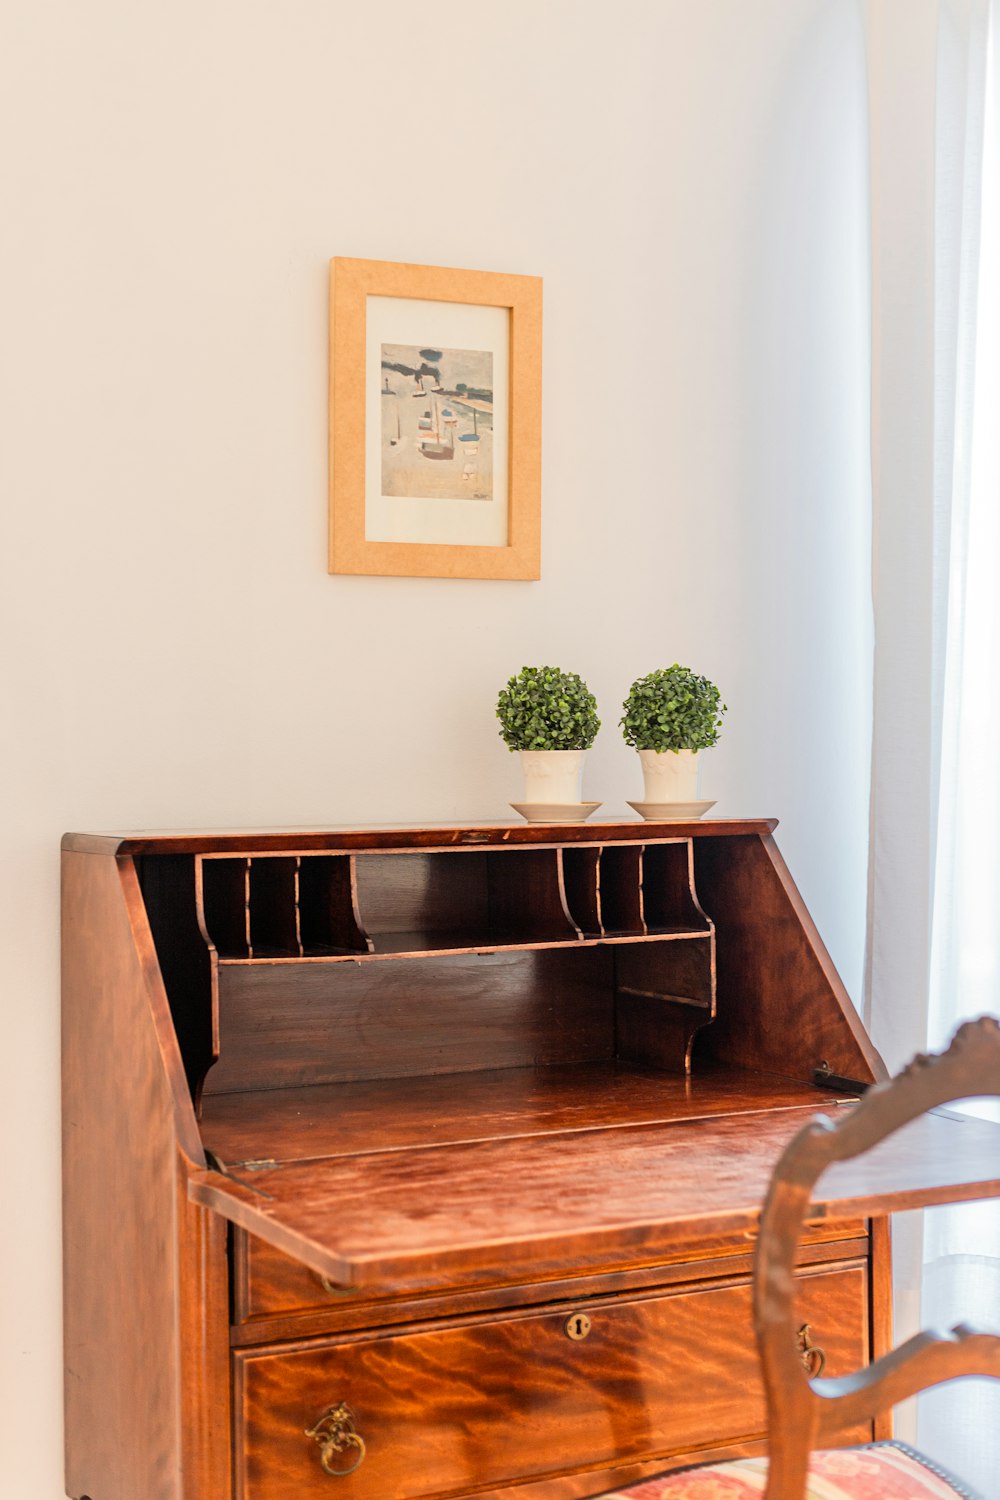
<point x="440" y="915"/>
<point x="263" y="908"/>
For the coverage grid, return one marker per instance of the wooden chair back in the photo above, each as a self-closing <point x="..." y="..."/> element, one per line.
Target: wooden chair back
<point x="806" y="1411"/>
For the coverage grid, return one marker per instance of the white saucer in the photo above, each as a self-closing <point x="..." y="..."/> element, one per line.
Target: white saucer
<point x="556" y="812"/>
<point x="672" y="812"/>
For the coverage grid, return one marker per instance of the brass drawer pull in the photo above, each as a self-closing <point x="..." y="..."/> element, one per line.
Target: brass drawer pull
<point x="812" y="1356"/>
<point x="335" y="1433"/>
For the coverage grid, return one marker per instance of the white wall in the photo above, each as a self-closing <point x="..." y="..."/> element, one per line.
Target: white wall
<point x="690" y="181"/>
<point x="903" y="63"/>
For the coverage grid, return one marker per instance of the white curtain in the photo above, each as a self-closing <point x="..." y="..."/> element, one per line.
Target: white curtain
<point x="934" y="896"/>
<point x="961" y="1247"/>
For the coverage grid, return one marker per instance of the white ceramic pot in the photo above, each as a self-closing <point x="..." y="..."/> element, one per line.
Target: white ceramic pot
<point x="554" y="776"/>
<point x="670" y="775"/>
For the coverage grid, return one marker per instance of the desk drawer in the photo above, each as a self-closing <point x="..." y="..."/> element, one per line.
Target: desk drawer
<point x="269" y="1284"/>
<point x="456" y="1406"/>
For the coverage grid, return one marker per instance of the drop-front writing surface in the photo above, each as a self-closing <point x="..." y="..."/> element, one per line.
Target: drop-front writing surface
<point x="364" y="1119"/>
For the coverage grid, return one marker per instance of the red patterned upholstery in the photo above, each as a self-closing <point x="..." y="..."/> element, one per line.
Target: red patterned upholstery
<point x="879" y="1471"/>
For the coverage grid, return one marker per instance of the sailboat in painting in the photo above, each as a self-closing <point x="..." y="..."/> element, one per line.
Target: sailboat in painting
<point x="471" y="438"/>
<point x="432" y="445"/>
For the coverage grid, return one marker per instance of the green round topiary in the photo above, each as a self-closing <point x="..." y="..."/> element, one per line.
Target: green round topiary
<point x="544" y="708"/>
<point x="672" y="709"/>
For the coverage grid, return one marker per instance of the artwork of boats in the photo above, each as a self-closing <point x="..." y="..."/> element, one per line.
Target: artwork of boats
<point x="432" y="446"/>
<point x="452" y="426"/>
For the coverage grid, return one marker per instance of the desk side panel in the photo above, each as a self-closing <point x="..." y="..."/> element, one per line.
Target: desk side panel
<point x="126" y="1124"/>
<point x="204" y="1342"/>
<point x="782" y="1006"/>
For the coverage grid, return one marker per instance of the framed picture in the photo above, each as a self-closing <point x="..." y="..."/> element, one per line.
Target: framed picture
<point x="435" y="421"/>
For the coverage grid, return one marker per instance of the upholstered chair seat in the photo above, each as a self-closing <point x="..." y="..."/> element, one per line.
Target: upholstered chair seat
<point x="877" y="1471"/>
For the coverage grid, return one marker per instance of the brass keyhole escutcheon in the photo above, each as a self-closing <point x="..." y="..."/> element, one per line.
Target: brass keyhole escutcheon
<point x="577" y="1326"/>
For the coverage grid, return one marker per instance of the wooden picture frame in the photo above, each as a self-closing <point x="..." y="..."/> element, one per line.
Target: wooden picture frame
<point x="476" y="512"/>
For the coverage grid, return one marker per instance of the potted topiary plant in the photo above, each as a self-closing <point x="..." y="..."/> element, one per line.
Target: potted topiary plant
<point x="670" y="716"/>
<point x="550" y="717"/>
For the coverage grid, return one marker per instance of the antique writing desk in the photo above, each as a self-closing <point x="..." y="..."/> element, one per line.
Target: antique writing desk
<point x="435" y="1155"/>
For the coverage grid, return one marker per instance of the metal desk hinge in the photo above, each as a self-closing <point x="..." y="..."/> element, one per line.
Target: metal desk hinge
<point x="825" y="1079"/>
<point x="218" y="1165"/>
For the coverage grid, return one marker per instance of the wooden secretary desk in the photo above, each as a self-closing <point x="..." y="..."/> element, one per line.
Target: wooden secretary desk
<point x="426" y="1162"/>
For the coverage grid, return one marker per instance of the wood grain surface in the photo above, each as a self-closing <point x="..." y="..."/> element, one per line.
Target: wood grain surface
<point x="382" y="1114"/>
<point x="627" y="1191"/>
<point x="277" y="1297"/>
<point x="471" y="1146"/>
<point x="781" y="1004"/>
<point x="458" y="1407"/>
<point x="122" y="1127"/>
<point x="405" y="836"/>
<point x="284" y="1025"/>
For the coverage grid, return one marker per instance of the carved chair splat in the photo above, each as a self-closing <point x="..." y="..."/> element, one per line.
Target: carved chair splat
<point x="806" y="1409"/>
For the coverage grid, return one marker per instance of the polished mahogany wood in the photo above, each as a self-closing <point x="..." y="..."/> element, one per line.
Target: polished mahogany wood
<point x="278" y="1298"/>
<point x="108" y="1379"/>
<point x="782" y="1005"/>
<point x="490" y="1022"/>
<point x="412" y="836"/>
<point x="451" y="1407"/>
<point x="203" y="1282"/>
<point x="881" y="1309"/>
<point x="388" y="1215"/>
<point x="664" y="999"/>
<point x="581" y="885"/>
<point x="286" y="1026"/>
<point x="265" y="908"/>
<point x="380" y="1114"/>
<point x="258" y="915"/>
<point x="134" y="1426"/>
